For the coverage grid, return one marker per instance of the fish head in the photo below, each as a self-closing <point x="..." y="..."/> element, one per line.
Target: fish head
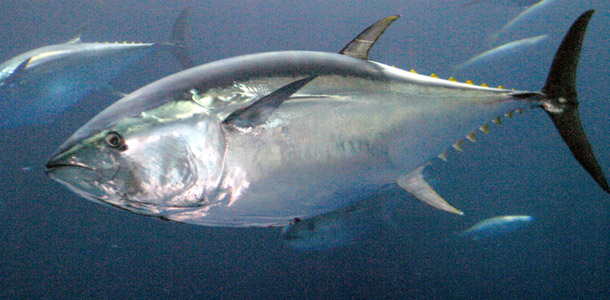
<point x="150" y="162"/>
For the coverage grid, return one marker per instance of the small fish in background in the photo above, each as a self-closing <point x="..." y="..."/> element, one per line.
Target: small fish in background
<point x="501" y="52"/>
<point x="37" y="85"/>
<point x="323" y="232"/>
<point x="521" y="3"/>
<point x="346" y="226"/>
<point x="495" y="227"/>
<point x="533" y="12"/>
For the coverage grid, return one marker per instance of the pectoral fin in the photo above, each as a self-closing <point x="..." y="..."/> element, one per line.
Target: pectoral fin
<point x="257" y="113"/>
<point x="416" y="185"/>
<point x="360" y="46"/>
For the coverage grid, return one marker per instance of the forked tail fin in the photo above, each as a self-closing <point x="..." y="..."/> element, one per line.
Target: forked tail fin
<point x="562" y="101"/>
<point x="178" y="41"/>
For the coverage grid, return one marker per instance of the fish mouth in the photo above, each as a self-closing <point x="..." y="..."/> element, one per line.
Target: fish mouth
<point x="70" y="170"/>
<point x="54" y="165"/>
<point x="84" y="180"/>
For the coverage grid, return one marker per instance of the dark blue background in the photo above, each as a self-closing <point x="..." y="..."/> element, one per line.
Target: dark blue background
<point x="55" y="245"/>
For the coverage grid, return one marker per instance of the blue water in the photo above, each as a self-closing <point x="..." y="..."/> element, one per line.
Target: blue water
<point x="55" y="245"/>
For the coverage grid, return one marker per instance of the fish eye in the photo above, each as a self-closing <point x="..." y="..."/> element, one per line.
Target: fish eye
<point x="115" y="140"/>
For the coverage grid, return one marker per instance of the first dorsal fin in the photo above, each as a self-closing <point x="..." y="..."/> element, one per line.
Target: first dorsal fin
<point x="360" y="46"/>
<point x="416" y="185"/>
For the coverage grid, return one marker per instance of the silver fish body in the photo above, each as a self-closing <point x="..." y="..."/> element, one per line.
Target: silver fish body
<point x="358" y="126"/>
<point x="264" y="139"/>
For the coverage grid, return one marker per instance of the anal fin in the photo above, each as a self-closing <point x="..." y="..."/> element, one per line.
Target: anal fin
<point x="416" y="185"/>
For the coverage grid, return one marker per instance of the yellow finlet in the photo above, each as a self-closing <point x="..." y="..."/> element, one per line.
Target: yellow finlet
<point x="452" y="79"/>
<point x="413" y="71"/>
<point x="458" y="145"/>
<point x="469" y="82"/>
<point x="500" y="87"/>
<point x="484" y="84"/>
<point x="471" y="137"/>
<point x="433" y="75"/>
<point x="484" y="128"/>
<point x="443" y="156"/>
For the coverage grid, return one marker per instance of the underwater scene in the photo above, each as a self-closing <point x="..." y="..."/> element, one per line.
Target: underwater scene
<point x="451" y="149"/>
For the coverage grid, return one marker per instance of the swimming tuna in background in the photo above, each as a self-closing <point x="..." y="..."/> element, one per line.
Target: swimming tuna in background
<point x="514" y="48"/>
<point x="521" y="3"/>
<point x="269" y="138"/>
<point x="347" y="225"/>
<point x="338" y="228"/>
<point x="495" y="227"/>
<point x="39" y="84"/>
<point x="532" y="13"/>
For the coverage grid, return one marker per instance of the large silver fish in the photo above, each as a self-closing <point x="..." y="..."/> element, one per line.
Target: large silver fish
<point x="263" y="139"/>
<point x="37" y="85"/>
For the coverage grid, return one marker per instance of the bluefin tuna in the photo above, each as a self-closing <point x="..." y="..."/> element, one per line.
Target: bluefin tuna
<point x="37" y="85"/>
<point x="267" y="138"/>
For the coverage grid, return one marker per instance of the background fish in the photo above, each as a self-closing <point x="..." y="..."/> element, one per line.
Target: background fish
<point x="495" y="227"/>
<point x="497" y="54"/>
<point x="39" y="84"/>
<point x="534" y="12"/>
